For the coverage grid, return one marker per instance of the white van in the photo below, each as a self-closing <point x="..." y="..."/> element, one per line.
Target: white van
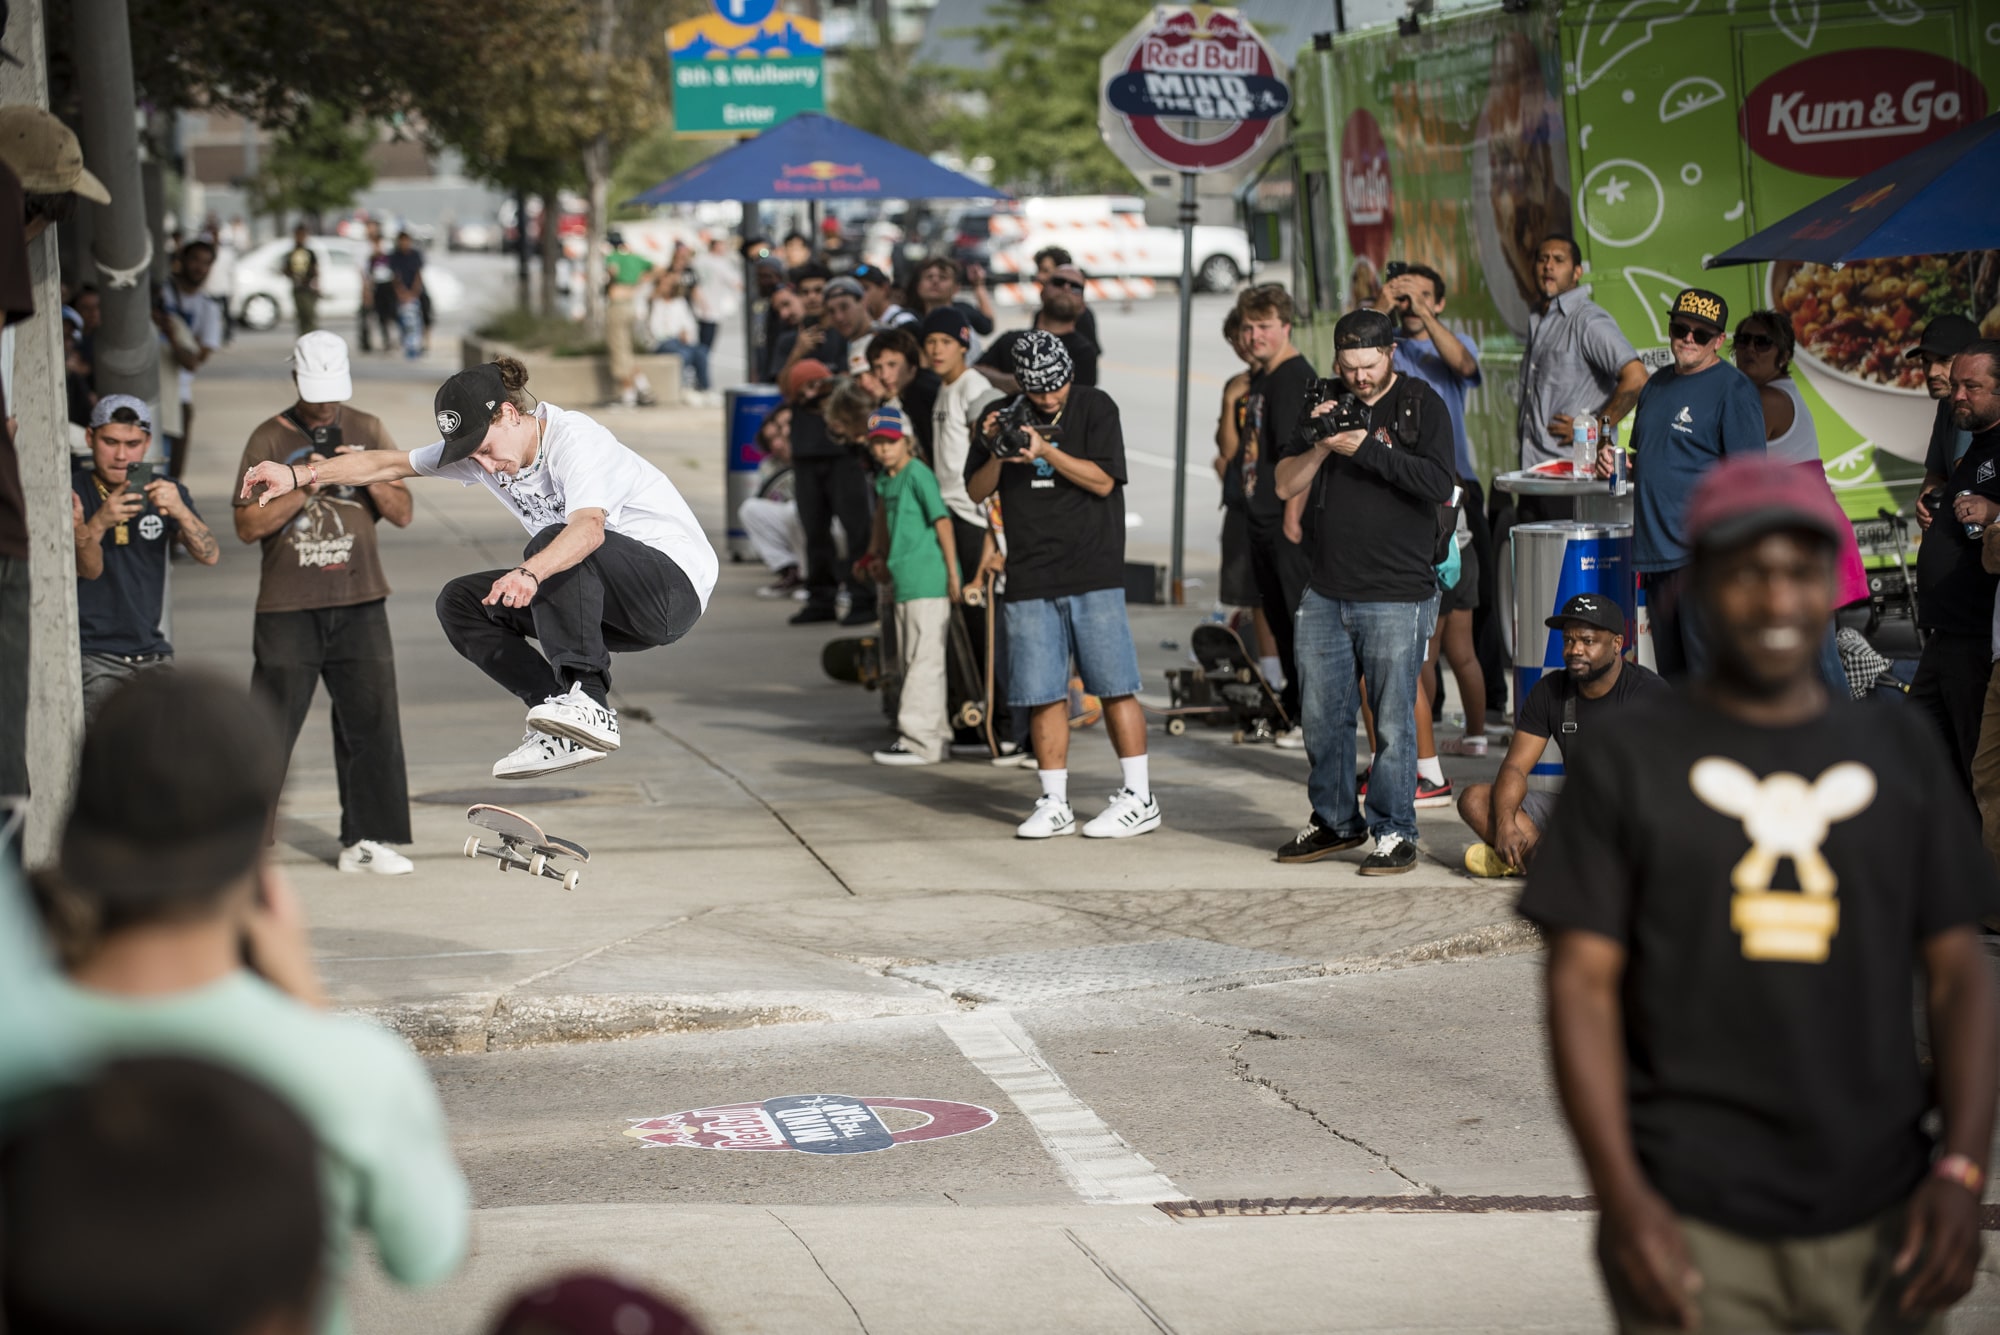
<point x="1110" y="238"/>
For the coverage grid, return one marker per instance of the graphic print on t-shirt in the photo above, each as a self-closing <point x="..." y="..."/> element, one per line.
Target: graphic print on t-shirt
<point x="320" y="536"/>
<point x="536" y="505"/>
<point x="1785" y="817"/>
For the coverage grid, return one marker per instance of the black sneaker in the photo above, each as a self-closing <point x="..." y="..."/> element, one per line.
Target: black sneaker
<point x="1315" y="841"/>
<point x="813" y="612"/>
<point x="1393" y="853"/>
<point x="860" y="616"/>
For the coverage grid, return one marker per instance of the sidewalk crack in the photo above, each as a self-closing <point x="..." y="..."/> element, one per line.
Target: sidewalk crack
<point x="1285" y="1096"/>
<point x="1145" y="1308"/>
<point x="822" y="1269"/>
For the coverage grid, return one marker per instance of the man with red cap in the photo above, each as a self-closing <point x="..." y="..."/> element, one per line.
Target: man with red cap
<point x="1741" y="887"/>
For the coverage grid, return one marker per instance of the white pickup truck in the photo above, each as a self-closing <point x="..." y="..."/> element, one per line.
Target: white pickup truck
<point x="1107" y="234"/>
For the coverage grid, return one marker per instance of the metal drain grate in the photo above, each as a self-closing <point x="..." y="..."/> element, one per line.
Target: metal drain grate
<point x="510" y="796"/>
<point x="1043" y="975"/>
<point x="1989" y="1215"/>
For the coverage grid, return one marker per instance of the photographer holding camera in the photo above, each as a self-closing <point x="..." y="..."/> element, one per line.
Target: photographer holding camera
<point x="1374" y="460"/>
<point x="1056" y="456"/>
<point x="322" y="610"/>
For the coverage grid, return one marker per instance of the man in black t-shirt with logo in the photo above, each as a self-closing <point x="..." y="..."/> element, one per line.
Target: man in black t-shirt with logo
<point x="1739" y="889"/>
<point x="1060" y="475"/>
<point x="1595" y="682"/>
<point x="1375" y="499"/>
<point x="1272" y="408"/>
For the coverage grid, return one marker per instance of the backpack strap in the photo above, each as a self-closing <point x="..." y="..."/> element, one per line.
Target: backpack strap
<point x="1569" y="715"/>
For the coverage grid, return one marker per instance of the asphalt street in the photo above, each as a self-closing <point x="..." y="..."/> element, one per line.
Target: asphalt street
<point x="1163" y="1084"/>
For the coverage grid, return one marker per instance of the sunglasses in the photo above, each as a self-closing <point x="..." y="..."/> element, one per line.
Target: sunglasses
<point x="1755" y="341"/>
<point x="1700" y="335"/>
<point x="1068" y="284"/>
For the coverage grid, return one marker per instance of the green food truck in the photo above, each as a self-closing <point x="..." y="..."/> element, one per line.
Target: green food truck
<point x="1658" y="133"/>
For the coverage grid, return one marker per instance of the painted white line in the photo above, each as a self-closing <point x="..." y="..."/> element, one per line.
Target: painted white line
<point x="434" y="955"/>
<point x="1102" y="1168"/>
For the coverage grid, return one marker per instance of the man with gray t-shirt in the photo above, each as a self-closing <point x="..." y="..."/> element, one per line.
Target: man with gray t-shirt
<point x="1577" y="363"/>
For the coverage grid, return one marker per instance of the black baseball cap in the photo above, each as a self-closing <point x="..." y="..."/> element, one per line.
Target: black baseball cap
<point x="1702" y="307"/>
<point x="1945" y="336"/>
<point x="465" y="406"/>
<point x="1592" y="609"/>
<point x="1364" y="329"/>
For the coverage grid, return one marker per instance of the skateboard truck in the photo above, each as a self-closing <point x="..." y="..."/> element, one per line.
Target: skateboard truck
<point x="523" y="845"/>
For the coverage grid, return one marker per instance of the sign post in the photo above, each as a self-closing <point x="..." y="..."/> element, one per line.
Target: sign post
<point x="1191" y="92"/>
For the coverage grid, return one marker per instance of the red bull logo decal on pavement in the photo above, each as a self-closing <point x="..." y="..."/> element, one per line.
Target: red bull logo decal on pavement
<point x="813" y="1124"/>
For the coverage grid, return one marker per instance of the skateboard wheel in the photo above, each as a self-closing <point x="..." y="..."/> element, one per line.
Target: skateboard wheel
<point x="572" y="879"/>
<point x="536" y="863"/>
<point x="472" y="847"/>
<point x="1237" y="737"/>
<point x="1176" y="726"/>
<point x="974" y="716"/>
<point x="1245" y="675"/>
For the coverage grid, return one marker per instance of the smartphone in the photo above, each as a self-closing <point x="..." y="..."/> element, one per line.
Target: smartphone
<point x="140" y="475"/>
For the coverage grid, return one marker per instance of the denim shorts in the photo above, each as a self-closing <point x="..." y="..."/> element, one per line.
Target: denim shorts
<point x="1043" y="634"/>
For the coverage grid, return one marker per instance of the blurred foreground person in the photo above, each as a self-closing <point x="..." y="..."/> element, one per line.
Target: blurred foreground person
<point x="1761" y="1141"/>
<point x="586" y="1304"/>
<point x="162" y="1195"/>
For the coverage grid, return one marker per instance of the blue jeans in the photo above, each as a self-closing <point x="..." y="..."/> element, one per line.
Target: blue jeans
<point x="1043" y="634"/>
<point x="694" y="356"/>
<point x="1339" y="643"/>
<point x="410" y="315"/>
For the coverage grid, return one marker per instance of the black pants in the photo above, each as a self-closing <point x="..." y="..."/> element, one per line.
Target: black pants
<point x="623" y="597"/>
<point x="1680" y="648"/>
<point x="1950" y="687"/>
<point x="1282" y="569"/>
<point x="349" y="649"/>
<point x="1488" y="642"/>
<point x="969" y="540"/>
<point x="828" y="488"/>
<point x="14" y="629"/>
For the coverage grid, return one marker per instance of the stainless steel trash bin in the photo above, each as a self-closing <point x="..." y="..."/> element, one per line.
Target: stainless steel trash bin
<point x="743" y="412"/>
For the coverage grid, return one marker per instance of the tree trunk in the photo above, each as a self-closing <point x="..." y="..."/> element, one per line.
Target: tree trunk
<point x="551" y="248"/>
<point x="597" y="172"/>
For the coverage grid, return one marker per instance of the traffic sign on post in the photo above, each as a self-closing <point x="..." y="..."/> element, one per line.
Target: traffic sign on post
<point x="1191" y="97"/>
<point x="734" y="78"/>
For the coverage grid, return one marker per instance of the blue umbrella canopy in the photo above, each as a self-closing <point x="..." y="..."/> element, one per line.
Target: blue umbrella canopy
<point x="1934" y="201"/>
<point x="814" y="157"/>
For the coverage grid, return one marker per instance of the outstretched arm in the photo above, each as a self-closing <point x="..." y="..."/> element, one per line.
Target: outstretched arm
<point x="269" y="480"/>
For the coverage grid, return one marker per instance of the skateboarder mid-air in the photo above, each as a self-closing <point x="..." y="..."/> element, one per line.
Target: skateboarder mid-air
<point x="616" y="560"/>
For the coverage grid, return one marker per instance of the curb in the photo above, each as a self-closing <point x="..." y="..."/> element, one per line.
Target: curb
<point x="1514" y="937"/>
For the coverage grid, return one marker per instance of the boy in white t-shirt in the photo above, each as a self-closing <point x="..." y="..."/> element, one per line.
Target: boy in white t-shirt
<point x="617" y="561"/>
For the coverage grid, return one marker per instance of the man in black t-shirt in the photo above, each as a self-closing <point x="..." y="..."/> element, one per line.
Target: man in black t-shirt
<point x="1944" y="338"/>
<point x="1061" y="484"/>
<point x="1955" y="592"/>
<point x="1273" y="406"/>
<point x="1739" y="887"/>
<point x="1595" y="681"/>
<point x="123" y="533"/>
<point x="1374" y="512"/>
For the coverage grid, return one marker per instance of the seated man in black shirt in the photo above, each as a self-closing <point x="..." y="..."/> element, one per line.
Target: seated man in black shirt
<point x="1060" y="474"/>
<point x="1739" y="888"/>
<point x="1595" y="681"/>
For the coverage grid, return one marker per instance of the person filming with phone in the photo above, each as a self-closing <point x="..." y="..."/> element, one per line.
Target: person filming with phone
<point x="128" y="515"/>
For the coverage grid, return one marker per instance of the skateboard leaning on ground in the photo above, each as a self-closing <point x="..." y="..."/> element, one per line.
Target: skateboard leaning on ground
<point x="522" y="844"/>
<point x="1235" y="682"/>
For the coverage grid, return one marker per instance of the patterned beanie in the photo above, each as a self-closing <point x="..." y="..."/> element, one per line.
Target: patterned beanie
<point x="1041" y="362"/>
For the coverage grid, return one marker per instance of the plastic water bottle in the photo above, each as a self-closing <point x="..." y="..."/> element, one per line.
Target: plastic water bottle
<point x="1583" y="441"/>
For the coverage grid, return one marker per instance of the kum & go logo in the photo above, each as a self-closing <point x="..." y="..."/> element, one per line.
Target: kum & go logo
<point x="1846" y="113"/>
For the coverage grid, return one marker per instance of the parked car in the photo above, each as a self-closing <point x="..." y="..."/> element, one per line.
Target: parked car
<point x="1107" y="234"/>
<point x="477" y="234"/>
<point x="260" y="295"/>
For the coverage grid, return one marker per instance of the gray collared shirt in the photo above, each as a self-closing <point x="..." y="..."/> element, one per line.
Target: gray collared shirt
<point x="1575" y="352"/>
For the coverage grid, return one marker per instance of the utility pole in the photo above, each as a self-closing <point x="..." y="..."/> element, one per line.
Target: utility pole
<point x="40" y="409"/>
<point x="128" y="355"/>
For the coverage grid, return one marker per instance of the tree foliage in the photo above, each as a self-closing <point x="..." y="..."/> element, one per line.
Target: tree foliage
<point x="317" y="165"/>
<point x="884" y="91"/>
<point x="656" y="156"/>
<point x="1040" y="94"/>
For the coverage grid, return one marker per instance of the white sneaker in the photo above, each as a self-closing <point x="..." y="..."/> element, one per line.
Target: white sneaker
<point x="540" y="753"/>
<point x="578" y="717"/>
<point x="1128" y="814"/>
<point x="1013" y="757"/>
<point x="378" y="858"/>
<point x="1291" y="739"/>
<point x="1050" y="818"/>
<point x="898" y="754"/>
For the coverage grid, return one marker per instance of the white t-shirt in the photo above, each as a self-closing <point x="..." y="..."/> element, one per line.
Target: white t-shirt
<point x="718" y="289"/>
<point x="582" y="466"/>
<point x="951" y="439"/>
<point x="202" y="314"/>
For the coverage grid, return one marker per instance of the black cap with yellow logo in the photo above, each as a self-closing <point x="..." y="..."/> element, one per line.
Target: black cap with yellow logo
<point x="1704" y="308"/>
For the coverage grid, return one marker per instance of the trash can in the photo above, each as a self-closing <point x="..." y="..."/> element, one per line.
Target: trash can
<point x="1552" y="563"/>
<point x="744" y="409"/>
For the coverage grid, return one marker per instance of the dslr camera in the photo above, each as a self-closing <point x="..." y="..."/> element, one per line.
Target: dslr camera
<point x="1349" y="412"/>
<point x="1010" y="436"/>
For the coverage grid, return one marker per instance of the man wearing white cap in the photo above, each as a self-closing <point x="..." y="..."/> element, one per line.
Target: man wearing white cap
<point x="321" y="611"/>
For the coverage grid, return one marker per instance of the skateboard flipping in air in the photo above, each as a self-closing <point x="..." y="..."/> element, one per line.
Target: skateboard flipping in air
<point x="523" y="845"/>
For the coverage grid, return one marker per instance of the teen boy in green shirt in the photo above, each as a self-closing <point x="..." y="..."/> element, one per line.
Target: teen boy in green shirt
<point x="913" y="538"/>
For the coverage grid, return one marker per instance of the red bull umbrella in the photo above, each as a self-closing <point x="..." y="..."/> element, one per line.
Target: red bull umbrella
<point x="814" y="157"/>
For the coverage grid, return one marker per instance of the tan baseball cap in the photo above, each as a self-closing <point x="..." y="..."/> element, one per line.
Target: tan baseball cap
<point x="44" y="153"/>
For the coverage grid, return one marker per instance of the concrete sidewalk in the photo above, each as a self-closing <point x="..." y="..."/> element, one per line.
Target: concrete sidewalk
<point x="750" y="865"/>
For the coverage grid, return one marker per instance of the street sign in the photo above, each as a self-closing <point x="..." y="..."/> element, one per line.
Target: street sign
<point x="744" y="13"/>
<point x="733" y="80"/>
<point x="1192" y="89"/>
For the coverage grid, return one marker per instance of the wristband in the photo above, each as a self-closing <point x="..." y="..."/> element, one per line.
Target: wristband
<point x="1961" y="1169"/>
<point x="530" y="574"/>
<point x="312" y="474"/>
<point x="295" y="475"/>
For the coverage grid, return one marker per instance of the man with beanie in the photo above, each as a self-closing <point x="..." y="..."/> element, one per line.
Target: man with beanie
<point x="322" y="610"/>
<point x="616" y="562"/>
<point x="1056" y="458"/>
<point x="1377" y="504"/>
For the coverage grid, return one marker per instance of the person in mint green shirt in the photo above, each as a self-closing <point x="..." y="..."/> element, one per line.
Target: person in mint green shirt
<point x="913" y="540"/>
<point x="178" y="938"/>
<point x="622" y="272"/>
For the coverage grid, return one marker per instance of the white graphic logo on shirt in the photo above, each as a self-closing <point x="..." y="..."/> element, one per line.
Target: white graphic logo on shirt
<point x="1984" y="473"/>
<point x="151" y="527"/>
<point x="319" y="536"/>
<point x="447" y="422"/>
<point x="1785" y="817"/>
<point x="1683" y="421"/>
